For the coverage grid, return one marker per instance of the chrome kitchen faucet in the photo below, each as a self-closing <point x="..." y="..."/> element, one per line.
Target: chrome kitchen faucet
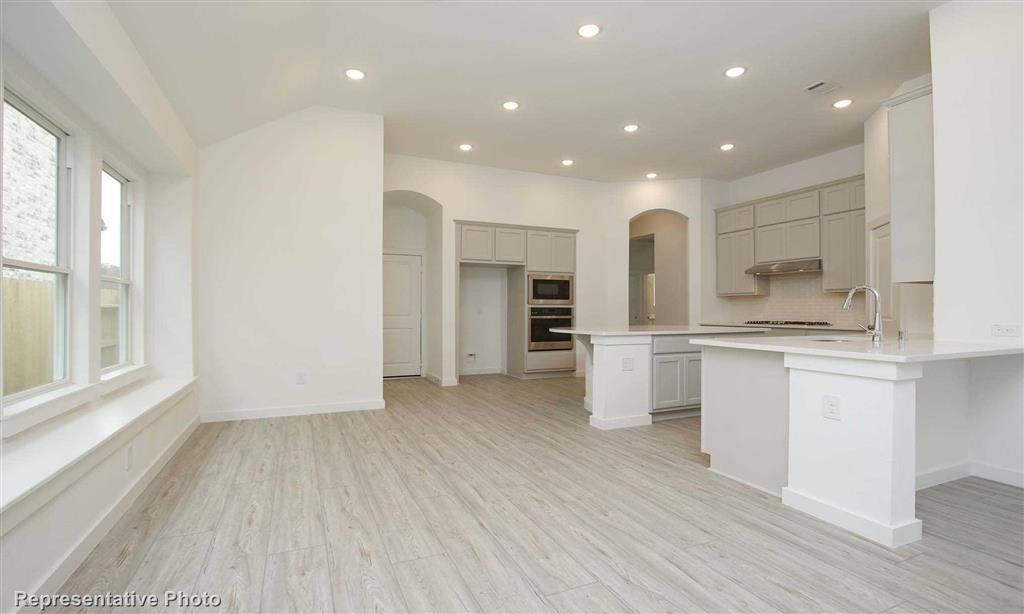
<point x="876" y="330"/>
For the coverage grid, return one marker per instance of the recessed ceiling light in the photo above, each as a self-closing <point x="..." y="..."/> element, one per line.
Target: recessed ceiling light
<point x="726" y="147"/>
<point x="842" y="104"/>
<point x="735" y="71"/>
<point x="652" y="175"/>
<point x="589" y="30"/>
<point x="465" y="147"/>
<point x="568" y="162"/>
<point x="355" y="74"/>
<point x="510" y="105"/>
<point x="631" y="128"/>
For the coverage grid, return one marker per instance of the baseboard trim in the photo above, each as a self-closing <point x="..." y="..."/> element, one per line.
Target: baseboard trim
<point x="482" y="371"/>
<point x="607" y="424"/>
<point x="433" y="378"/>
<point x="768" y="491"/>
<point x="1003" y="475"/>
<point x="450" y="381"/>
<point x="290" y="410"/>
<point x="63" y="570"/>
<point x="887" y="535"/>
<point x="927" y="479"/>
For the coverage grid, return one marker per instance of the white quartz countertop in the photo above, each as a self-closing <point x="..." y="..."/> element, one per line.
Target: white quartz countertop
<point x="662" y="329"/>
<point x="838" y="329"/>
<point x="859" y="347"/>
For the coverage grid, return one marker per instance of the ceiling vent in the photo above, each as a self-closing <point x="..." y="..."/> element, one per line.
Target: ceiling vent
<point x="821" y="87"/>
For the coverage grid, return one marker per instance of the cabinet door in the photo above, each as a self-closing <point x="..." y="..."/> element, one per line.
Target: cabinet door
<point x="773" y="212"/>
<point x="509" y="245"/>
<point x="668" y="380"/>
<point x="837" y="199"/>
<point x="771" y="243"/>
<point x="477" y="243"/>
<point x="803" y="239"/>
<point x="691" y="379"/>
<point x="836" y="252"/>
<point x="858" y="249"/>
<point x="724" y="265"/>
<point x="912" y="191"/>
<point x="742" y="259"/>
<point x="538" y="251"/>
<point x="858" y="195"/>
<point x="802" y="206"/>
<point x="563" y="252"/>
<point x="735" y="219"/>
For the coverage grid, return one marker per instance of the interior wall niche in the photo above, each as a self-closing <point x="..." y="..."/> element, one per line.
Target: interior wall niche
<point x="665" y="294"/>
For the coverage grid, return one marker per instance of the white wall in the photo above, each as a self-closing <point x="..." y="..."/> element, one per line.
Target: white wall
<point x="977" y="101"/>
<point x="483" y="319"/>
<point x="288" y="245"/>
<point x="838" y="164"/>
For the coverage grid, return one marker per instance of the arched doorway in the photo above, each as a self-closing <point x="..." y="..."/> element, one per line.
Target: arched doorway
<point x="659" y="268"/>
<point x="412" y="273"/>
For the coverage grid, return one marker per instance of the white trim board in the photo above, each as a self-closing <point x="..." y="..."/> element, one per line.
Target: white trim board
<point x="290" y="410"/>
<point x="63" y="570"/>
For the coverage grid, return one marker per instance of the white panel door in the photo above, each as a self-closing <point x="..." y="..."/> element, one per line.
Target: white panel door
<point x="402" y="314"/>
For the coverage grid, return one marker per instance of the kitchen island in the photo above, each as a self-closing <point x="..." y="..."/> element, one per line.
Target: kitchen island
<point x="847" y="431"/>
<point x="633" y="371"/>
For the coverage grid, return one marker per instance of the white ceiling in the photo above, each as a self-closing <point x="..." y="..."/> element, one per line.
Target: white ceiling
<point x="439" y="71"/>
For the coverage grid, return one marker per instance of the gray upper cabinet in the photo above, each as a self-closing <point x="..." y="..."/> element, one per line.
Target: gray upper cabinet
<point x="772" y="212"/>
<point x="553" y="252"/>
<point x="476" y="243"/>
<point x="842" y="197"/>
<point x="510" y="245"/>
<point x="734" y="255"/>
<point x="843" y="251"/>
<point x="912" y="190"/>
<point x="732" y="220"/>
<point x="803" y="239"/>
<point x="771" y="243"/>
<point x="802" y="206"/>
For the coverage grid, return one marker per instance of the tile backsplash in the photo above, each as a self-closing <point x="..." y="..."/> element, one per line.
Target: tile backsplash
<point x="798" y="297"/>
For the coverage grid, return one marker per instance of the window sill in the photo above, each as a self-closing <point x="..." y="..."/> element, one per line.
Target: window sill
<point x="45" y="460"/>
<point x="23" y="415"/>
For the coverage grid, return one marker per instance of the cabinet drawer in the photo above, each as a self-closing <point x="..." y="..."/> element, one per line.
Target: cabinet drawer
<point x="668" y="344"/>
<point x="773" y="212"/>
<point x="563" y="360"/>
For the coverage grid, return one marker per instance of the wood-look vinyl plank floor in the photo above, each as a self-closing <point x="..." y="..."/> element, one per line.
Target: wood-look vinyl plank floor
<point x="497" y="495"/>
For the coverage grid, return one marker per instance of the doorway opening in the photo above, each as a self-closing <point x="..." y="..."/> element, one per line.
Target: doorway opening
<point x="412" y="285"/>
<point x="659" y="268"/>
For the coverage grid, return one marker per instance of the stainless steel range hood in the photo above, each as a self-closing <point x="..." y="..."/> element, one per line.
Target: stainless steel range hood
<point x="807" y="265"/>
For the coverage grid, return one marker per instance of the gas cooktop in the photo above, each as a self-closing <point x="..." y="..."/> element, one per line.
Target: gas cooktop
<point x="789" y="322"/>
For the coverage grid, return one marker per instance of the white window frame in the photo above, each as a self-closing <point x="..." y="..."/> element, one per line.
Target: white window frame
<point x="125" y="280"/>
<point x="63" y="268"/>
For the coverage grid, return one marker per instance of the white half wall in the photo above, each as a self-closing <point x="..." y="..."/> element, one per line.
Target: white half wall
<point x="288" y="279"/>
<point x="977" y="98"/>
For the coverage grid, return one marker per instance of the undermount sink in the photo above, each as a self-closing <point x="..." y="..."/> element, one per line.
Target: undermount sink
<point x="835" y="339"/>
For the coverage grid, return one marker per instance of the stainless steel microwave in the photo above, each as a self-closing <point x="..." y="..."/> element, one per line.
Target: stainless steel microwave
<point x="550" y="289"/>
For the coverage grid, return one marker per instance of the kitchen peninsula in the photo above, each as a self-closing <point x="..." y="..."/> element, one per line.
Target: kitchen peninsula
<point x="635" y="370"/>
<point x="847" y="431"/>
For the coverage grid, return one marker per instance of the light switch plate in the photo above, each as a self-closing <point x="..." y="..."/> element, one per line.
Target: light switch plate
<point x="627" y="364"/>
<point x="830" y="407"/>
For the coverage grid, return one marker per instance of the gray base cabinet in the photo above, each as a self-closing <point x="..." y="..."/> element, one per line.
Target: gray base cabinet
<point x="676" y="380"/>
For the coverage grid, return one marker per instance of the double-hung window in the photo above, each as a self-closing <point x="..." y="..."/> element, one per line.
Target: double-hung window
<point x="35" y="255"/>
<point x="115" y="260"/>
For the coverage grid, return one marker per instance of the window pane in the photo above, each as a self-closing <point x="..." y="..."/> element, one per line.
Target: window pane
<point x="113" y="324"/>
<point x="30" y="189"/>
<point x="33" y="329"/>
<point x="110" y="227"/>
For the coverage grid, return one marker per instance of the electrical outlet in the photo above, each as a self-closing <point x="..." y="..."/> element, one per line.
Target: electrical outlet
<point x="129" y="457"/>
<point x="1005" y="330"/>
<point x="830" y="407"/>
<point x="627" y="364"/>
<point x="470" y="357"/>
<point x="300" y="378"/>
